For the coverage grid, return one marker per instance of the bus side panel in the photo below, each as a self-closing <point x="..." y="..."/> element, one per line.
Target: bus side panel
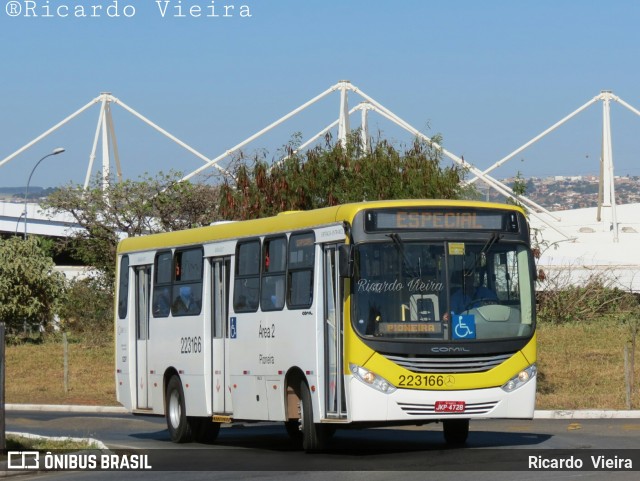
<point x="124" y="358"/>
<point x="179" y="343"/>
<point x="265" y="347"/>
<point x="276" y="398"/>
<point x="249" y="397"/>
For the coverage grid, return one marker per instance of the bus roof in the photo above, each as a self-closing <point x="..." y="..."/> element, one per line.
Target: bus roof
<point x="285" y="221"/>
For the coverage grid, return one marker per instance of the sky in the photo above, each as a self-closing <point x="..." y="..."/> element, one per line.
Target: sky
<point x="487" y="76"/>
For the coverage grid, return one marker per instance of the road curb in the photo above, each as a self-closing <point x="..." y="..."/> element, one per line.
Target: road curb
<point x="539" y="414"/>
<point x="66" y="408"/>
<point x="96" y="442"/>
<point x="587" y="414"/>
<point x="5" y="472"/>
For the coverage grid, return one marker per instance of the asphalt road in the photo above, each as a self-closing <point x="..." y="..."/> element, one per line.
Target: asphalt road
<point x="494" y="449"/>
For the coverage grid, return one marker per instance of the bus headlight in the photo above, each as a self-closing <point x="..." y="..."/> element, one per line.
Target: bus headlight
<point x="520" y="379"/>
<point x="370" y="378"/>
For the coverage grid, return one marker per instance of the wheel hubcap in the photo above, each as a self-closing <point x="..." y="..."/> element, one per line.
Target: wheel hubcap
<point x="175" y="411"/>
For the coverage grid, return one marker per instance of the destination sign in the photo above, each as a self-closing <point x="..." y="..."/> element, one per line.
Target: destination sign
<point x="410" y="327"/>
<point x="440" y="219"/>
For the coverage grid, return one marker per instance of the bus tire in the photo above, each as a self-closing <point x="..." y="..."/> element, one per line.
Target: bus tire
<point x="293" y="430"/>
<point x="456" y="431"/>
<point x="181" y="428"/>
<point x="313" y="434"/>
<point x="207" y="432"/>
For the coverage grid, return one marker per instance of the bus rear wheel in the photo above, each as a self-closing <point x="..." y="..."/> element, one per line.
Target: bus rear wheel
<point x="181" y="427"/>
<point x="456" y="431"/>
<point x="207" y="432"/>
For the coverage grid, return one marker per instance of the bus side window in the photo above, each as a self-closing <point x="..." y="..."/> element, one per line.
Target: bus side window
<point x="187" y="285"/>
<point x="246" y="290"/>
<point x="300" y="270"/>
<point x="274" y="257"/>
<point x="123" y="287"/>
<point x="161" y="302"/>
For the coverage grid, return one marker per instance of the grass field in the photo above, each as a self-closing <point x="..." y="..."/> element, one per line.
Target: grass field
<point x="580" y="367"/>
<point x="35" y="374"/>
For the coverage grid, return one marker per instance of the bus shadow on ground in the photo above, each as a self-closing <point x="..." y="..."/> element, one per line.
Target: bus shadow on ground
<point x="358" y="442"/>
<point x="269" y="448"/>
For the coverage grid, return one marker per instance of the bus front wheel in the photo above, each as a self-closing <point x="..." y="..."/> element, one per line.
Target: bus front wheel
<point x="181" y="428"/>
<point x="313" y="434"/>
<point x="456" y="431"/>
<point x="294" y="430"/>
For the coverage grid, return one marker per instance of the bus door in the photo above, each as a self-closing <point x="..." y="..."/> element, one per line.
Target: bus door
<point x="333" y="335"/>
<point x="143" y="288"/>
<point x="220" y="332"/>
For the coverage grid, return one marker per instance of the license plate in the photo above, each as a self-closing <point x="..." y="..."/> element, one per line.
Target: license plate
<point x="450" y="406"/>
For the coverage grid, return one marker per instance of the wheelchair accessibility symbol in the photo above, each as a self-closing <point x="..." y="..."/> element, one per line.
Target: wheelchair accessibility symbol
<point x="233" y="328"/>
<point x="464" y="326"/>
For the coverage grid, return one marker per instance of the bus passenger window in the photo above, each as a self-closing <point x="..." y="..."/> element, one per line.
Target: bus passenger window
<point x="300" y="289"/>
<point x="272" y="293"/>
<point x="161" y="301"/>
<point x="187" y="285"/>
<point x="123" y="289"/>
<point x="161" y="304"/>
<point x="186" y="301"/>
<point x="246" y="289"/>
<point x="300" y="270"/>
<point x="273" y="275"/>
<point x="275" y="255"/>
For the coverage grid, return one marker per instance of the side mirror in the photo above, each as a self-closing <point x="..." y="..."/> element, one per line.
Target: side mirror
<point x="345" y="256"/>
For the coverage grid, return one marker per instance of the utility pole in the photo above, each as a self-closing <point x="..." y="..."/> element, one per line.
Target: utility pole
<point x="3" y="439"/>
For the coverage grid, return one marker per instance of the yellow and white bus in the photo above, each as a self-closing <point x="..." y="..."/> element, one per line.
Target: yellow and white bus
<point x="366" y="314"/>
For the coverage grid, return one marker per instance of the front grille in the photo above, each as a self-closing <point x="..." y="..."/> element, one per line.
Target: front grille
<point x="470" y="408"/>
<point x="450" y="365"/>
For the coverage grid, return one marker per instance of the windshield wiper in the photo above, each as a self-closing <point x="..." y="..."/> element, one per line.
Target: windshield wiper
<point x="495" y="237"/>
<point x="395" y="237"/>
<point x="397" y="241"/>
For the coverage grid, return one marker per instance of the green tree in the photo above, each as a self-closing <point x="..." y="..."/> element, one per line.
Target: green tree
<point x="519" y="188"/>
<point x="87" y="311"/>
<point x="331" y="175"/>
<point x="130" y="208"/>
<point x="319" y="177"/>
<point x="30" y="289"/>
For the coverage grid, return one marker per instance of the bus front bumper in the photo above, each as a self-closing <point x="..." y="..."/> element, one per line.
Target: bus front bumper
<point x="368" y="404"/>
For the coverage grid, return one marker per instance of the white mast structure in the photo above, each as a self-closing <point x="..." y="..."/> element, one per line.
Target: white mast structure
<point x="606" y="198"/>
<point x="105" y="132"/>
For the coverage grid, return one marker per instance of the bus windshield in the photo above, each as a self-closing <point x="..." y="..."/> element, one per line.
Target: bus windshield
<point x="454" y="291"/>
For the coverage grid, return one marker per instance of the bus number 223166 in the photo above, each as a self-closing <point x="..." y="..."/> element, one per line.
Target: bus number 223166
<point x="190" y="345"/>
<point x="421" y="381"/>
